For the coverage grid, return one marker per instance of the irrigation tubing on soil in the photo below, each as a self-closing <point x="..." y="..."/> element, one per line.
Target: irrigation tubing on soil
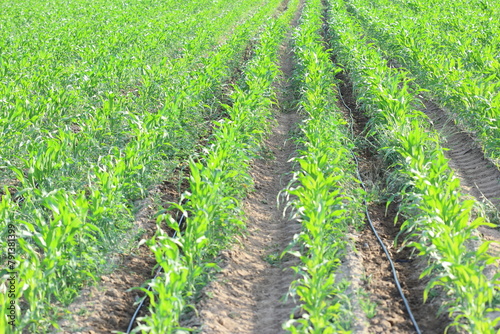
<point x="139" y="307"/>
<point x="370" y="222"/>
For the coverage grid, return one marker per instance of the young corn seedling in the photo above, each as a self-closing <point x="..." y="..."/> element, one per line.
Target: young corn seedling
<point x="212" y="209"/>
<point x="320" y="202"/>
<point x="440" y="221"/>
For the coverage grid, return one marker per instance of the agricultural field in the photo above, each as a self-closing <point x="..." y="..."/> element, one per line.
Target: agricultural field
<point x="249" y="166"/>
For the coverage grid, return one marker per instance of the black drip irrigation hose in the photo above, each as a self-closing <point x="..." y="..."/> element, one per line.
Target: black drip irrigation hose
<point x="370" y="222"/>
<point x="139" y="307"/>
<point x="394" y="272"/>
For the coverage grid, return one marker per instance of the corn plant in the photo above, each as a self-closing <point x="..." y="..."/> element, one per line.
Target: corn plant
<point x="438" y="221"/>
<point x="167" y="299"/>
<point x="97" y="108"/>
<point x="217" y="183"/>
<point x="322" y="199"/>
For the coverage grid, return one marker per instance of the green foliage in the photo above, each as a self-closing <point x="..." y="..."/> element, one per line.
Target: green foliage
<point x="323" y="187"/>
<point x="98" y="102"/>
<point x="217" y="183"/>
<point x="451" y="48"/>
<point x="439" y="223"/>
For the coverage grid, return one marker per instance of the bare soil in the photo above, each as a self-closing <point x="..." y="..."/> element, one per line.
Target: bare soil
<point x="250" y="293"/>
<point x="479" y="177"/>
<point x="109" y="306"/>
<point x="247" y="295"/>
<point x="376" y="277"/>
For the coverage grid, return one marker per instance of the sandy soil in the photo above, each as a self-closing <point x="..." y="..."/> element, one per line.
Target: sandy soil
<point x="247" y="295"/>
<point x="376" y="275"/>
<point x="478" y="176"/>
<point x="250" y="294"/>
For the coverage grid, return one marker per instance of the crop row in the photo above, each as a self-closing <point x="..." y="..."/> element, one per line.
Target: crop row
<point x="80" y="166"/>
<point x="451" y="48"/>
<point x="439" y="222"/>
<point x="100" y="78"/>
<point x="326" y="198"/>
<point x="219" y="180"/>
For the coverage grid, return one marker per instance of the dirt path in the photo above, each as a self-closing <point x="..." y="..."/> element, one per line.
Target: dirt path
<point x="377" y="279"/>
<point x="247" y="296"/>
<point x="478" y="176"/>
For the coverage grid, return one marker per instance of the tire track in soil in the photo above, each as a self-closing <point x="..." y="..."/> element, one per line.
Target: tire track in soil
<point x="377" y="278"/>
<point x="247" y="296"/>
<point x="478" y="176"/>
